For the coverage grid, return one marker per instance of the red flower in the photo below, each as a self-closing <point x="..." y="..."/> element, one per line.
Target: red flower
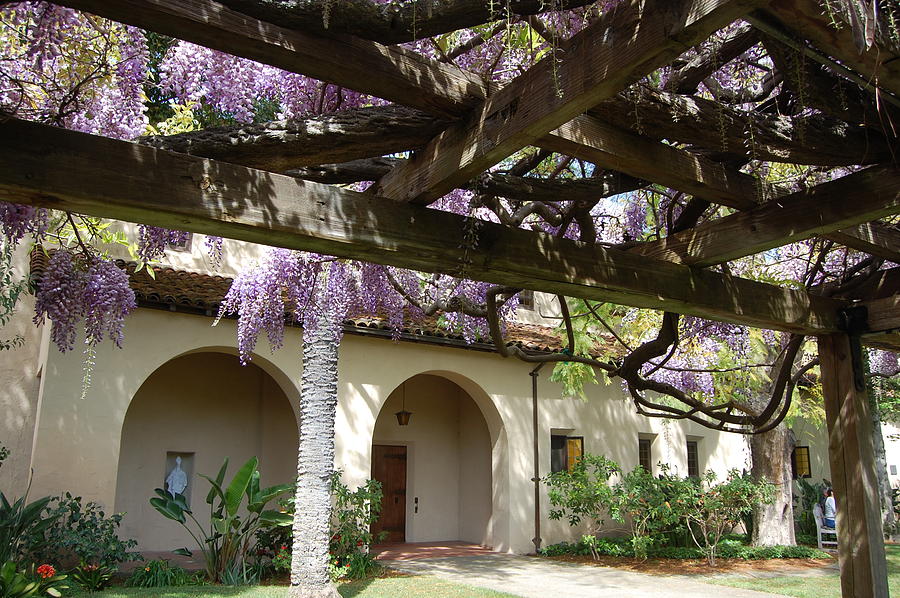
<point x="359" y="543"/>
<point x="284" y="547"/>
<point x="46" y="571"/>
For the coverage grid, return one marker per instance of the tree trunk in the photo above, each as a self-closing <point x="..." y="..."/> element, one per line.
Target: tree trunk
<point x="315" y="463"/>
<point x="770" y="452"/>
<point x="884" y="483"/>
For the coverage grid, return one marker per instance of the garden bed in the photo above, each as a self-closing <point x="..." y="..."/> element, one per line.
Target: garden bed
<point x="668" y="566"/>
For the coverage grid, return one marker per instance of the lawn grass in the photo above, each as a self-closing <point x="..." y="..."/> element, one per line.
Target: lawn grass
<point x="392" y="587"/>
<point x="825" y="586"/>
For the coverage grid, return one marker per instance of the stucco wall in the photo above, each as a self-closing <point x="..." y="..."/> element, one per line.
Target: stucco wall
<point x="78" y="441"/>
<point x="208" y="406"/>
<point x="20" y="379"/>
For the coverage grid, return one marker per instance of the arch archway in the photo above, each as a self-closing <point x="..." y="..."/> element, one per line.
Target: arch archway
<point x="449" y="458"/>
<point x="202" y="406"/>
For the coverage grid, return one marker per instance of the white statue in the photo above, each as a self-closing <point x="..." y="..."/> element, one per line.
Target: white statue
<point x="177" y="481"/>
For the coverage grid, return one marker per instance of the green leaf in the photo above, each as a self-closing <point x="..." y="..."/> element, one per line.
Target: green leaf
<point x="217" y="484"/>
<point x="168" y="509"/>
<point x="253" y="488"/>
<point x="182" y="552"/>
<point x="267" y="494"/>
<point x="238" y="486"/>
<point x="278" y="518"/>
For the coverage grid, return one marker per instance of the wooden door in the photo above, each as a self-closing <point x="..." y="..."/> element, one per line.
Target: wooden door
<point x="389" y="468"/>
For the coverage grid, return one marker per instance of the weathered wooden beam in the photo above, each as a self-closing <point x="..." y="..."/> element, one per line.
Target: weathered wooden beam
<point x="282" y="145"/>
<point x="885" y="342"/>
<point x="390" y="22"/>
<point x="884" y="314"/>
<point x="859" y="197"/>
<point x="391" y="73"/>
<point x="67" y="170"/>
<point x="715" y="127"/>
<point x="874" y="238"/>
<point x="863" y="287"/>
<point x="852" y="458"/>
<point x="805" y="19"/>
<point x="623" y="45"/>
<point x="597" y="141"/>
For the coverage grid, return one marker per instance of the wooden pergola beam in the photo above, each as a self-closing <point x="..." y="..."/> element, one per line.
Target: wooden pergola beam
<point x="805" y="19"/>
<point x="874" y="238"/>
<point x="859" y="197"/>
<point x="392" y="73"/>
<point x="607" y="146"/>
<point x="883" y="314"/>
<point x="67" y="170"/>
<point x="620" y="47"/>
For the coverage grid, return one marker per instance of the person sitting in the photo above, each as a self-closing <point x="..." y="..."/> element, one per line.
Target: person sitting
<point x="830" y="510"/>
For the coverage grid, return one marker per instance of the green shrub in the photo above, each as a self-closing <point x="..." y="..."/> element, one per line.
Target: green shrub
<point x="711" y="510"/>
<point x="159" y="574"/>
<point x="81" y="533"/>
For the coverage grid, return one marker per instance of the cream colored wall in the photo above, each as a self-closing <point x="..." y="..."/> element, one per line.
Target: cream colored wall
<point x="208" y="405"/>
<point x="816" y="438"/>
<point x="892" y="451"/>
<point x="448" y="460"/>
<point x="20" y="377"/>
<point x="474" y="473"/>
<point x="78" y="441"/>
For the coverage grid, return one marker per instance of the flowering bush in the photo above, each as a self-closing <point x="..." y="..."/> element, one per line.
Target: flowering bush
<point x="352" y="517"/>
<point x="43" y="581"/>
<point x="91" y="577"/>
<point x="281" y="562"/>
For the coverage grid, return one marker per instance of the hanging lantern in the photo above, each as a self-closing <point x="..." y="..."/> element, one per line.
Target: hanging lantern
<point x="403" y="415"/>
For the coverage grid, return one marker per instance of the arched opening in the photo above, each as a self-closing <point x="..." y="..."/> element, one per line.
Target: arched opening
<point x="437" y="470"/>
<point x="201" y="407"/>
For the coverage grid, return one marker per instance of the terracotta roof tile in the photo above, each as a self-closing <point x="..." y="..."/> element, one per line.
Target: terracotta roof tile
<point x="201" y="293"/>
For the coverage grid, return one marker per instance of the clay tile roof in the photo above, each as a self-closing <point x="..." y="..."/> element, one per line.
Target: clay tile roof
<point x="200" y="293"/>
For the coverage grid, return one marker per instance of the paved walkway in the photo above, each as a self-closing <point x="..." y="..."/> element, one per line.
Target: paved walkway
<point x="531" y="577"/>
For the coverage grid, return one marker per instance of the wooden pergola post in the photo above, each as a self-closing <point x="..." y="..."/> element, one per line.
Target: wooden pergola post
<point x="852" y="457"/>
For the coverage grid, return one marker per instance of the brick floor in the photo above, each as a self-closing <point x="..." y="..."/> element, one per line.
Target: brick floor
<point x="427" y="550"/>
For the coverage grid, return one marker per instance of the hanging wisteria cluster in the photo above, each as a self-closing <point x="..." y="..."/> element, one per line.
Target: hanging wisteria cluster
<point x="77" y="290"/>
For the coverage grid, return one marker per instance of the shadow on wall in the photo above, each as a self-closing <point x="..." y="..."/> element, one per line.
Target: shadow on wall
<point x="448" y="494"/>
<point x="201" y="407"/>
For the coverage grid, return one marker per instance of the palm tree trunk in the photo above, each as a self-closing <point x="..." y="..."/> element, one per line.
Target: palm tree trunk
<point x="315" y="463"/>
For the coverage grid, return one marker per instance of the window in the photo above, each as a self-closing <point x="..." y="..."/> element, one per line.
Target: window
<point x="565" y="451"/>
<point x="800" y="462"/>
<point x="693" y="459"/>
<point x="644" y="459"/>
<point x="893" y="470"/>
<point x="526" y="299"/>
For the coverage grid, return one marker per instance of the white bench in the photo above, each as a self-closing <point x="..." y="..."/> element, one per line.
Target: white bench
<point x="821" y="530"/>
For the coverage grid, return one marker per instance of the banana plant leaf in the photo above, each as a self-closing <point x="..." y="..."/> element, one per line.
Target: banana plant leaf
<point x="238" y="486"/>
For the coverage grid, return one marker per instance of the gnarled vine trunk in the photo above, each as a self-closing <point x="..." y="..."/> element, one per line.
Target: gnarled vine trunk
<point x="773" y="524"/>
<point x="315" y="463"/>
<point x="888" y="520"/>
